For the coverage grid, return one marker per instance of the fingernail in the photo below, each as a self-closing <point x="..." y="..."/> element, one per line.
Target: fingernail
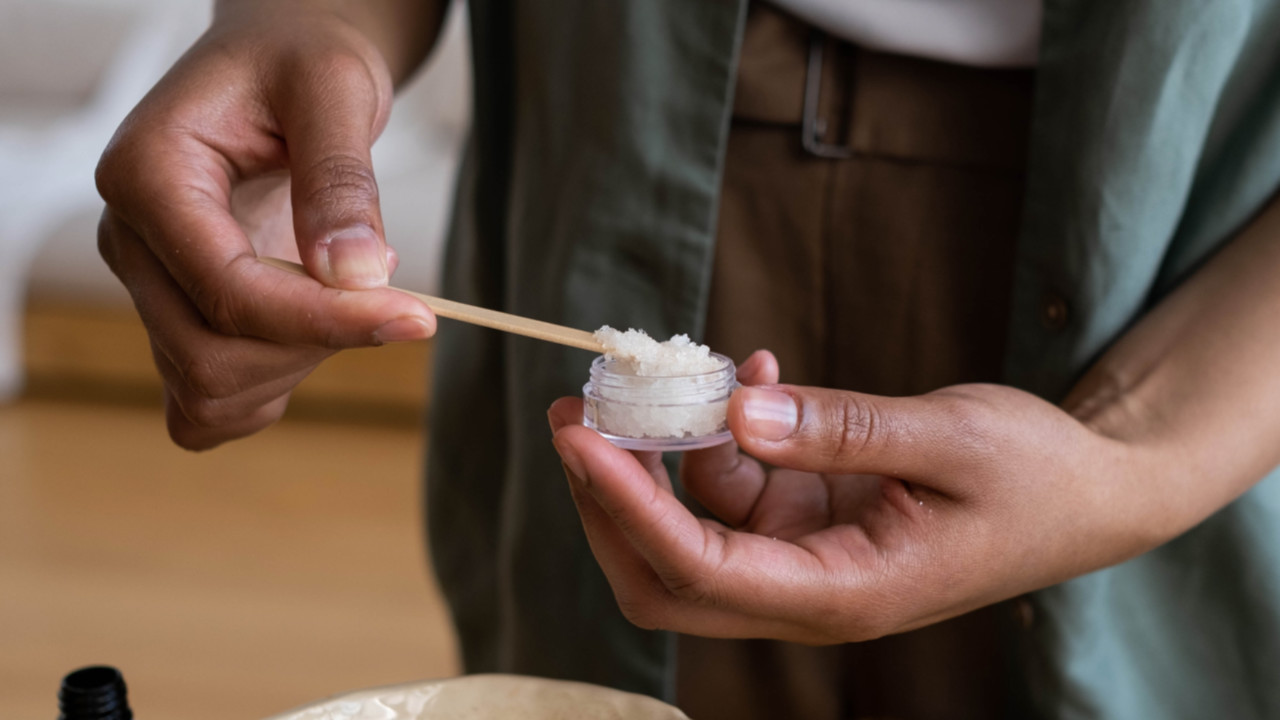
<point x="572" y="463"/>
<point x="770" y="415"/>
<point x="405" y="329"/>
<point x="356" y="258"/>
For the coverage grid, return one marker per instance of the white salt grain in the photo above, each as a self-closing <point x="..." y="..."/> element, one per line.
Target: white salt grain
<point x="638" y="354"/>
<point x="645" y="394"/>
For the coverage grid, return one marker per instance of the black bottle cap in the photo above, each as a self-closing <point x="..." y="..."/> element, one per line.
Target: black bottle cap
<point x="94" y="693"/>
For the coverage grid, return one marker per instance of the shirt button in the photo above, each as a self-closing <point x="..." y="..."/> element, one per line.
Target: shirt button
<point x="1024" y="612"/>
<point x="1054" y="312"/>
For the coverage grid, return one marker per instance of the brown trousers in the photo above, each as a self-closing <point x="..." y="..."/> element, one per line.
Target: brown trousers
<point x="887" y="272"/>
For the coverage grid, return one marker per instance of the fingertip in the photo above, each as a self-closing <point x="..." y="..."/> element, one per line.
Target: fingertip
<point x="564" y="411"/>
<point x="403" y="329"/>
<point x="565" y="444"/>
<point x="577" y="435"/>
<point x="411" y="320"/>
<point x="760" y="368"/>
<point x="771" y="371"/>
<point x="393" y="261"/>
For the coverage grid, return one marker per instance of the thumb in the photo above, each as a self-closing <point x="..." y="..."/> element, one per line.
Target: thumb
<point x="330" y="121"/>
<point x="838" y="432"/>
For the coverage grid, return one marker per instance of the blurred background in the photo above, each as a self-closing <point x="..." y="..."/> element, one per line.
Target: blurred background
<point x="235" y="583"/>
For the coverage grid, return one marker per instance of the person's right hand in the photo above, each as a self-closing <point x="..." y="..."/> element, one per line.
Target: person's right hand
<point x="275" y="103"/>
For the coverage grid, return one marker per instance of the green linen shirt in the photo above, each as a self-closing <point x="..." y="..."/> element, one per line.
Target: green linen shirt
<point x="588" y="197"/>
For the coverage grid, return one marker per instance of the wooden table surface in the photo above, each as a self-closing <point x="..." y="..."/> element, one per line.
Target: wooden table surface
<point x="231" y="584"/>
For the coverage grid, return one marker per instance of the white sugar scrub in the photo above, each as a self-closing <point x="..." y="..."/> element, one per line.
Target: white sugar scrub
<point x="650" y="395"/>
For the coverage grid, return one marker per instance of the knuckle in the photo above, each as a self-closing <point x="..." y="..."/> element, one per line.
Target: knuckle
<point x="341" y="184"/>
<point x="696" y="579"/>
<point x="349" y="71"/>
<point x="969" y="419"/>
<point x="342" y="76"/>
<point x="641" y="614"/>
<point x="858" y="426"/>
<point x="208" y="377"/>
<point x="107" y="248"/>
<point x="224" y="305"/>
<point x="966" y="416"/>
<point x="117" y="171"/>
<point x="107" y="174"/>
<point x="207" y="414"/>
<point x="334" y="338"/>
<point x="647" y="603"/>
<point x="693" y="589"/>
<point x="184" y="434"/>
<point x="184" y="439"/>
<point x="220" y="307"/>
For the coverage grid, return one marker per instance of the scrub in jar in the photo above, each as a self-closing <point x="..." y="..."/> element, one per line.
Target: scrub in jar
<point x="650" y="395"/>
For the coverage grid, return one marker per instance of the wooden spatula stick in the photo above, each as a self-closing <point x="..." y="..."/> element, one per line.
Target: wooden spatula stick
<point x="484" y="317"/>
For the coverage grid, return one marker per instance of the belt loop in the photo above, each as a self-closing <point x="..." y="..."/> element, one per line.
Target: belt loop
<point x="813" y="130"/>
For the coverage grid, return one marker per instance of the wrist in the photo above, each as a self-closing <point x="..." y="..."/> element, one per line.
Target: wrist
<point x="1155" y="488"/>
<point x="400" y="32"/>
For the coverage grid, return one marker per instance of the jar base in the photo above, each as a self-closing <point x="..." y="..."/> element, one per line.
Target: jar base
<point x="679" y="444"/>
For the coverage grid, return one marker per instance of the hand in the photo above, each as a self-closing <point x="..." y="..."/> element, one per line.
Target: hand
<point x="882" y="514"/>
<point x="257" y="141"/>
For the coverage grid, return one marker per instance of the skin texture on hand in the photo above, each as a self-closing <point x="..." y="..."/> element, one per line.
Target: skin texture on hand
<point x="879" y="514"/>
<point x="257" y="142"/>
<point x="840" y="516"/>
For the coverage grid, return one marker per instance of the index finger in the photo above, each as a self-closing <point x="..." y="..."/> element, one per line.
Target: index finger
<point x="656" y="523"/>
<point x="177" y="198"/>
<point x="703" y="565"/>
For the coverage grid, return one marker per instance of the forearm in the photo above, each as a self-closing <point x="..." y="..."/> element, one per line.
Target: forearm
<point x="1194" y="387"/>
<point x="404" y="31"/>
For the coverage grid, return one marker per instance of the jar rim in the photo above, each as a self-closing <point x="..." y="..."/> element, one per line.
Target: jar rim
<point x="599" y="368"/>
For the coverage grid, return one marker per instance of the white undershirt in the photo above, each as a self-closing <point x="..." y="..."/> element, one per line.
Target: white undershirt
<point x="983" y="33"/>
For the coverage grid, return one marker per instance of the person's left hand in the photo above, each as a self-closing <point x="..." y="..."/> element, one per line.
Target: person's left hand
<point x="880" y="515"/>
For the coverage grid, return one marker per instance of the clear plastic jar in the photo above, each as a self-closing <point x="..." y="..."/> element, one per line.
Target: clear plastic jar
<point x="677" y="412"/>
